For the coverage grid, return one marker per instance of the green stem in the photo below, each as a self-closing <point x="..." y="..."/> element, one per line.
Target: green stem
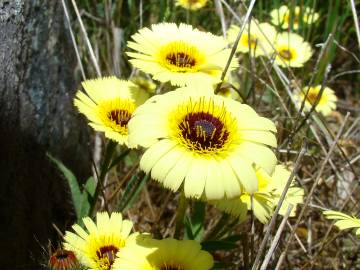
<point x="109" y="151"/>
<point x="180" y="214"/>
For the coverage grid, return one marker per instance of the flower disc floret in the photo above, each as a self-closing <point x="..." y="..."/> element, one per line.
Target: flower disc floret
<point x="165" y="254"/>
<point x="97" y="246"/>
<point x="180" y="54"/>
<point x="203" y="142"/>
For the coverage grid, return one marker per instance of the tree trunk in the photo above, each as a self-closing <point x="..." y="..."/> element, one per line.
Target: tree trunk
<point x="37" y="115"/>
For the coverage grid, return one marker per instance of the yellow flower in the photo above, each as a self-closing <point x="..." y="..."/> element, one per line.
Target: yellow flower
<point x="203" y="140"/>
<point x="229" y="89"/>
<point x="165" y="254"/>
<point x="258" y="39"/>
<point x="294" y="195"/>
<point x="282" y="16"/>
<point x="97" y="247"/>
<point x="291" y="50"/>
<point x="266" y="198"/>
<point x="191" y="4"/>
<point x="108" y="104"/>
<point x="327" y="101"/>
<point x="179" y="54"/>
<point x="142" y="90"/>
<point x="344" y="221"/>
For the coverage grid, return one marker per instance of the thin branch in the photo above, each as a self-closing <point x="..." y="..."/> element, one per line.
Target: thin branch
<point x="277" y="209"/>
<point x="91" y="51"/>
<point x="234" y="47"/>
<point x="73" y="40"/>
<point x="356" y="22"/>
<point x="276" y="238"/>
<point x="316" y="182"/>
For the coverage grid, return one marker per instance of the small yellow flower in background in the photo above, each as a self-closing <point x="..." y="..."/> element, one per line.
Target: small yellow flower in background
<point x="266" y="198"/>
<point x="204" y="141"/>
<point x="294" y="195"/>
<point x="108" y="104"/>
<point x="97" y="247"/>
<point x="327" y="101"/>
<point x="282" y="16"/>
<point x="143" y="89"/>
<point x="63" y="260"/>
<point x="344" y="221"/>
<point x="165" y="254"/>
<point x="228" y="89"/>
<point x="191" y="4"/>
<point x="258" y="39"/>
<point x="291" y="50"/>
<point x="179" y="54"/>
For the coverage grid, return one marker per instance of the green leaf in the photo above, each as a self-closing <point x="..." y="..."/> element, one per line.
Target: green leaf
<point x="227" y="243"/>
<point x="117" y="159"/>
<point x="194" y="224"/>
<point x="132" y="190"/>
<point x="73" y="184"/>
<point x="87" y="198"/>
<point x="214" y="245"/>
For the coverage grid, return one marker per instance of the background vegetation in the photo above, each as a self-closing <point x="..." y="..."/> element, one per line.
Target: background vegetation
<point x="327" y="148"/>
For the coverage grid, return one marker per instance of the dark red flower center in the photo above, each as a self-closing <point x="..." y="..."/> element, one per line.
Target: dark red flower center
<point x="203" y="131"/>
<point x="108" y="253"/>
<point x="181" y="60"/>
<point x="285" y="54"/>
<point x="312" y="97"/>
<point x="120" y="117"/>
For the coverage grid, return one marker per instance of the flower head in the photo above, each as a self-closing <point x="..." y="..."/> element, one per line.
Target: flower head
<point x="191" y="4"/>
<point x="229" y="88"/>
<point x="179" y="54"/>
<point x="96" y="248"/>
<point x="204" y="141"/>
<point x="256" y="38"/>
<point x="108" y="104"/>
<point x="165" y="254"/>
<point x="266" y="198"/>
<point x="283" y="16"/>
<point x="294" y="195"/>
<point x="291" y="50"/>
<point x="63" y="260"/>
<point x="326" y="103"/>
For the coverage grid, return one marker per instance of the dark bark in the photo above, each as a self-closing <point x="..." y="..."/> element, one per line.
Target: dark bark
<point x="36" y="116"/>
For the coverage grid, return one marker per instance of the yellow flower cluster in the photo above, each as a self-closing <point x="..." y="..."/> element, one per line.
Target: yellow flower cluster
<point x="109" y="244"/>
<point x="285" y="17"/>
<point x="262" y="39"/>
<point x="204" y="144"/>
<point x="286" y="49"/>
